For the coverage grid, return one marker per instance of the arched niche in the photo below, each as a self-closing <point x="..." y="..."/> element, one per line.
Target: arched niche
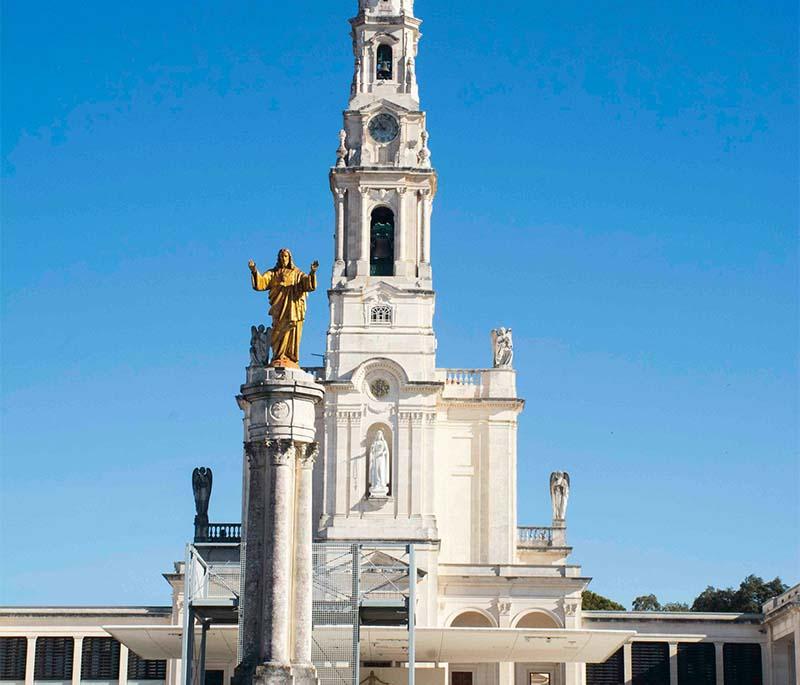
<point x="472" y="619"/>
<point x="537" y="619"/>
<point x="381" y="242"/>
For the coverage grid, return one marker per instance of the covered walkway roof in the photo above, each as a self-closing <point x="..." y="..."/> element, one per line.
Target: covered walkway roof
<point x="442" y="645"/>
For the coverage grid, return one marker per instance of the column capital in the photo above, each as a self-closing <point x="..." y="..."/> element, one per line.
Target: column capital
<point x="281" y="452"/>
<point x="256" y="451"/>
<point x="307" y="454"/>
<point x="340" y="193"/>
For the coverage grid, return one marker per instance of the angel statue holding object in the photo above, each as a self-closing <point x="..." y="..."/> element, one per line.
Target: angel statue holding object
<point x="559" y="493"/>
<point x="288" y="290"/>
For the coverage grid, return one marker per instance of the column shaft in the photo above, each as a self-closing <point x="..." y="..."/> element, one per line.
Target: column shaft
<point x="400" y="234"/>
<point x="122" y="677"/>
<point x="278" y="564"/>
<point x="719" y="655"/>
<point x="673" y="663"/>
<point x="797" y="650"/>
<point x="303" y="564"/>
<point x="340" y="225"/>
<point x="251" y="622"/>
<point x="30" y="661"/>
<point x="363" y="255"/>
<point x="77" y="658"/>
<point x="627" y="655"/>
<point x="426" y="232"/>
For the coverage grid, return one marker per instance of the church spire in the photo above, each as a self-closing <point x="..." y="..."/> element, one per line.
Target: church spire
<point x="385" y="38"/>
<point x="383" y="188"/>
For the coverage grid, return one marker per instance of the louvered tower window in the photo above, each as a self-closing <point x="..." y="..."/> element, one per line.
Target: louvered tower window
<point x="145" y="669"/>
<point x="13" y="651"/>
<point x="53" y="658"/>
<point x="100" y="659"/>
<point x="610" y="672"/>
<point x="697" y="663"/>
<point x="742" y="664"/>
<point x="650" y="663"/>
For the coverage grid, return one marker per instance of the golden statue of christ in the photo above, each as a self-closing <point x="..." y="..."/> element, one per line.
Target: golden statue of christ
<point x="288" y="288"/>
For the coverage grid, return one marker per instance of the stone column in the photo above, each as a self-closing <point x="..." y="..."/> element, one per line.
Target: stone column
<point x="719" y="655"/>
<point x="627" y="661"/>
<point x="796" y="647"/>
<point x="340" y="195"/>
<point x="277" y="557"/>
<point x="425" y="244"/>
<point x="303" y="563"/>
<point x="400" y="235"/>
<point x="673" y="663"/>
<point x="364" y="237"/>
<point x="77" y="659"/>
<point x="30" y="661"/>
<point x="123" y="665"/>
<point x="253" y="547"/>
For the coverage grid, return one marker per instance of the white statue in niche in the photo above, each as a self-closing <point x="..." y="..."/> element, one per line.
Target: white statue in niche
<point x="559" y="493"/>
<point x="379" y="466"/>
<point x="503" y="348"/>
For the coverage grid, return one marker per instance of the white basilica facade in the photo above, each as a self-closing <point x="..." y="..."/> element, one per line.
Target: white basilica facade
<point x="412" y="456"/>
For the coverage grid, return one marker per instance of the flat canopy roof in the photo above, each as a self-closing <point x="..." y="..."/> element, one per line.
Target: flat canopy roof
<point x="444" y="645"/>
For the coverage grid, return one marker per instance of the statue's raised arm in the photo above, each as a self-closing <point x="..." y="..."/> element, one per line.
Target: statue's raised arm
<point x="288" y="288"/>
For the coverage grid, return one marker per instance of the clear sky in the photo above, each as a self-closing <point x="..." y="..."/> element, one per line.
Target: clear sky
<point x="618" y="183"/>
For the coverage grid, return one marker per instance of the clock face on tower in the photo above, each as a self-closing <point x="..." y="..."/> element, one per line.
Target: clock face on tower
<point x="384" y="128"/>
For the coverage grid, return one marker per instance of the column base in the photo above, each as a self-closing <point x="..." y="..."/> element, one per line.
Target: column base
<point x="304" y="674"/>
<point x="272" y="674"/>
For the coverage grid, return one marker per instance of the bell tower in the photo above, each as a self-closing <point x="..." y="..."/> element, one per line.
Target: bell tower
<point x="381" y="297"/>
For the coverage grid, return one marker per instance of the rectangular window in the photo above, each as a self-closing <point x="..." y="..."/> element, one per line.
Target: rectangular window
<point x="697" y="663"/>
<point x="461" y="678"/>
<point x="145" y="669"/>
<point x="742" y="664"/>
<point x="53" y="658"/>
<point x="650" y="663"/>
<point x="610" y="672"/>
<point x="13" y="652"/>
<point x="100" y="659"/>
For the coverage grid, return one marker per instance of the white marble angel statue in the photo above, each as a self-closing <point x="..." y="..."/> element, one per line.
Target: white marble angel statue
<point x="379" y="466"/>
<point x="559" y="493"/>
<point x="503" y="348"/>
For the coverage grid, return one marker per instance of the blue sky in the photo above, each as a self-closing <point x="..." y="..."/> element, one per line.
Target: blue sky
<point x="618" y="183"/>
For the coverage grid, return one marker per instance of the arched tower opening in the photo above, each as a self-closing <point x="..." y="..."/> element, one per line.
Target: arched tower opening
<point x="385" y="59"/>
<point x="381" y="241"/>
<point x="537" y="619"/>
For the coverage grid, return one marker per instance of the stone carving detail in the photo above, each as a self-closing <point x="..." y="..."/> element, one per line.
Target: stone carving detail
<point x="256" y="454"/>
<point x="281" y="452"/>
<point x="260" y="340"/>
<point x="379" y="466"/>
<point x="280" y="410"/>
<point x="424" y="156"/>
<point x="341" y="152"/>
<point x="503" y="607"/>
<point x="409" y="74"/>
<point x="380" y="388"/>
<point x="570" y="609"/>
<point x="559" y="493"/>
<point x="308" y="454"/>
<point x="503" y="345"/>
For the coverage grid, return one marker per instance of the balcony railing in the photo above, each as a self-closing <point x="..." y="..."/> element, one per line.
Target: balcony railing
<point x="531" y="537"/>
<point x="216" y="533"/>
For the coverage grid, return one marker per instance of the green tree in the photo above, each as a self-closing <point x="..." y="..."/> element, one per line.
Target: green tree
<point x="752" y="593"/>
<point x="675" y="606"/>
<point x="646" y="603"/>
<point x="591" y="601"/>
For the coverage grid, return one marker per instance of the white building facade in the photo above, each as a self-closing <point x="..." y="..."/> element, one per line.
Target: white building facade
<point x="419" y="455"/>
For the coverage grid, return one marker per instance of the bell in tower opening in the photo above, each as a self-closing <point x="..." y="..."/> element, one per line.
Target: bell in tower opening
<point x="384" y="62"/>
<point x="381" y="254"/>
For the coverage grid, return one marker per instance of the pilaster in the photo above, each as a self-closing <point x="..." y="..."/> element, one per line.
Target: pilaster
<point x="77" y="659"/>
<point x="719" y="657"/>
